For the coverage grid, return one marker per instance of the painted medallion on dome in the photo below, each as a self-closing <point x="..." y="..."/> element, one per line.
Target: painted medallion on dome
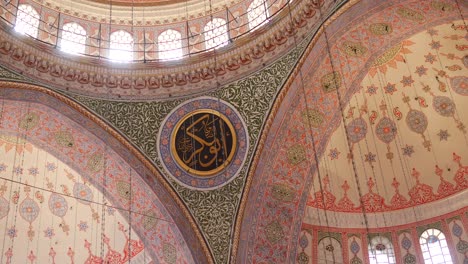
<point x="203" y="143"/>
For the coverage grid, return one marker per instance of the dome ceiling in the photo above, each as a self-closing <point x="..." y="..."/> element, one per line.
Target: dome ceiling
<point x="140" y="11"/>
<point x="41" y="217"/>
<point x="63" y="172"/>
<point x="374" y="112"/>
<point x="395" y="78"/>
<point x="407" y="128"/>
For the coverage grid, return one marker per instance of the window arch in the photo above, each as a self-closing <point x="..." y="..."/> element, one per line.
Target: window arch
<point x="257" y="13"/>
<point x="121" y="46"/>
<point x="434" y="247"/>
<point x="27" y="20"/>
<point x="170" y="45"/>
<point x="73" y="38"/>
<point x="329" y="251"/>
<point x="381" y="251"/>
<point x="216" y="34"/>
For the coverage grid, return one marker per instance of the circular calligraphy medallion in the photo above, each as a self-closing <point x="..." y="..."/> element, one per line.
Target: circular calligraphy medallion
<point x="203" y="143"/>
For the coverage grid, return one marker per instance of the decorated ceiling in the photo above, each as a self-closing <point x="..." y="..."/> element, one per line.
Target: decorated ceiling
<point x="65" y="179"/>
<point x="359" y="126"/>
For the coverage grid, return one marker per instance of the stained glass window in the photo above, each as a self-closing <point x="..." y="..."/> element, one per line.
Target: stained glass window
<point x="216" y="34"/>
<point x="434" y="247"/>
<point x="170" y="45"/>
<point x="329" y="251"/>
<point x="257" y="13"/>
<point x="121" y="46"/>
<point x="381" y="251"/>
<point x="73" y="38"/>
<point x="27" y="20"/>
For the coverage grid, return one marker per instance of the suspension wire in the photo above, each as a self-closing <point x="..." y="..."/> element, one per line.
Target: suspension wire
<point x="312" y="138"/>
<point x="341" y="108"/>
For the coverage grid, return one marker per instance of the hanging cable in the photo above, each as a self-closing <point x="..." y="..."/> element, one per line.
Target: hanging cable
<point x="312" y="137"/>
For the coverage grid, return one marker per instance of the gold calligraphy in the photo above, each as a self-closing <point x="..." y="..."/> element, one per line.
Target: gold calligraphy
<point x="204" y="142"/>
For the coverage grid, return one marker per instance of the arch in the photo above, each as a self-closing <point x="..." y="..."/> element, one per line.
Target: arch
<point x="255" y="214"/>
<point x="121" y="46"/>
<point x="381" y="251"/>
<point x="73" y="38"/>
<point x="329" y="251"/>
<point x="93" y="144"/>
<point x="27" y="20"/>
<point x="434" y="247"/>
<point x="257" y="13"/>
<point x="170" y="45"/>
<point x="216" y="34"/>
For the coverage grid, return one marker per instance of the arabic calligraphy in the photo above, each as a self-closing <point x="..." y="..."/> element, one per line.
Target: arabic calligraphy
<point x="204" y="142"/>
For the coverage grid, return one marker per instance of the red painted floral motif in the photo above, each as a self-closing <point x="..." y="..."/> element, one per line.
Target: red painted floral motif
<point x="420" y="193"/>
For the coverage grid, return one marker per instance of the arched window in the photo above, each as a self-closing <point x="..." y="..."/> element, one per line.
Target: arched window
<point x="434" y="247"/>
<point x="381" y="251"/>
<point x="121" y="46"/>
<point x="27" y="20"/>
<point x="257" y="13"/>
<point x="73" y="38"/>
<point x="329" y="251"/>
<point x="170" y="45"/>
<point x="216" y="34"/>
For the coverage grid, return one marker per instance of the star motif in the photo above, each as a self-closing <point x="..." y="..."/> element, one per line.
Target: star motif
<point x="33" y="171"/>
<point x="370" y="157"/>
<point x="51" y="166"/>
<point x="408" y="150"/>
<point x="3" y="167"/>
<point x="110" y="210"/>
<point x="421" y="70"/>
<point x="334" y="154"/>
<point x="435" y="45"/>
<point x="49" y="232"/>
<point x="390" y="88"/>
<point x="407" y="81"/>
<point x="430" y="58"/>
<point x="18" y="170"/>
<point x="371" y="90"/>
<point x="443" y="135"/>
<point x="12" y="232"/>
<point x="83" y="226"/>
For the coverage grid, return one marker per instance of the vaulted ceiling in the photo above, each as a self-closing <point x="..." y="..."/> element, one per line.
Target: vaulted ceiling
<point x="363" y="116"/>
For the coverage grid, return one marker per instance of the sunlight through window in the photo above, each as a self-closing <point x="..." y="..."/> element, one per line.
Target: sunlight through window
<point x="121" y="46"/>
<point x="381" y="251"/>
<point x="27" y="21"/>
<point x="73" y="38"/>
<point x="216" y="34"/>
<point x="170" y="45"/>
<point x="434" y="247"/>
<point x="257" y="13"/>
